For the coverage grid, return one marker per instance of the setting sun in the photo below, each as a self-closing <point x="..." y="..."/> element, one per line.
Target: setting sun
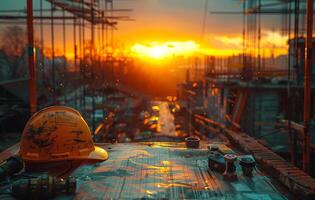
<point x="156" y="50"/>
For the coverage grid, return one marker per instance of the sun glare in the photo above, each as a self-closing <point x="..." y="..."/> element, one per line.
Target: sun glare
<point x="156" y="50"/>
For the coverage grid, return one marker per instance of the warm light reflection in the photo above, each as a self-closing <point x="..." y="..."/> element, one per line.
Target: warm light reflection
<point x="166" y="162"/>
<point x="155" y="108"/>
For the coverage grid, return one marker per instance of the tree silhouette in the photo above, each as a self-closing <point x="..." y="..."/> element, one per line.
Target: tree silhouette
<point x="13" y="40"/>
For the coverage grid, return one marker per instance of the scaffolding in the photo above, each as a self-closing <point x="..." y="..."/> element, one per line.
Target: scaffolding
<point x="296" y="20"/>
<point x="90" y="60"/>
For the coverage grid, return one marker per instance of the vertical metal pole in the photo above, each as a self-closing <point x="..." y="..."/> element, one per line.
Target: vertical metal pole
<point x="289" y="115"/>
<point x="75" y="62"/>
<point x="103" y="50"/>
<point x="106" y="32"/>
<point x="83" y="56"/>
<point x="259" y="39"/>
<point x="42" y="41"/>
<point x="296" y="40"/>
<point x="92" y="32"/>
<point x="92" y="67"/>
<point x="244" y="35"/>
<point x="307" y="87"/>
<point x="112" y="43"/>
<point x="80" y="63"/>
<point x="31" y="58"/>
<point x="99" y="59"/>
<point x="298" y="70"/>
<point x="53" y="53"/>
<point x="103" y="45"/>
<point x="64" y="54"/>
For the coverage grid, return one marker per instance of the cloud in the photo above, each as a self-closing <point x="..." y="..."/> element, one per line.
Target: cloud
<point x="268" y="39"/>
<point x="272" y="38"/>
<point x="235" y="41"/>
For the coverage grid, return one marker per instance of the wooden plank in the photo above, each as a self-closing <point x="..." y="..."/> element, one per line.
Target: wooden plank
<point x="280" y="168"/>
<point x="10" y="151"/>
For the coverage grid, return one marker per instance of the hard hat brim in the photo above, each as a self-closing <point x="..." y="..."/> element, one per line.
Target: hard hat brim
<point x="98" y="154"/>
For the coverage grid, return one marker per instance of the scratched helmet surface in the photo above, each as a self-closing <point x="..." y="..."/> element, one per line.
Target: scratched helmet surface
<point x="58" y="133"/>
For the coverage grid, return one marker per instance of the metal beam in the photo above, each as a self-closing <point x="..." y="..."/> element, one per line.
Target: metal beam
<point x="254" y="11"/>
<point x="31" y="61"/>
<point x="307" y="87"/>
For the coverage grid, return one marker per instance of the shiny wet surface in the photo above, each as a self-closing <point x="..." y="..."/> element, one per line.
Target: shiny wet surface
<point x="166" y="125"/>
<point x="165" y="171"/>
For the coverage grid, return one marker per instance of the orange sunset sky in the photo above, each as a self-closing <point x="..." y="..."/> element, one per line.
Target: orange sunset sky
<point x="164" y="28"/>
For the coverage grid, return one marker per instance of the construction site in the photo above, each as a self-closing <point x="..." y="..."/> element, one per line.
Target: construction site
<point x="157" y="99"/>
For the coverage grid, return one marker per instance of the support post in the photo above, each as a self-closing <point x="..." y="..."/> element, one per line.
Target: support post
<point x="92" y="80"/>
<point x="31" y="58"/>
<point x="307" y="87"/>
<point x="53" y="68"/>
<point x="75" y="62"/>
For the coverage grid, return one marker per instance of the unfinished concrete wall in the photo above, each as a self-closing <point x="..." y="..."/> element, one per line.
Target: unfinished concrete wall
<point x="261" y="115"/>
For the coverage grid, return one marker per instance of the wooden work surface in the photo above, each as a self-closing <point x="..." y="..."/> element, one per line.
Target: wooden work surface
<point x="165" y="170"/>
<point x="293" y="178"/>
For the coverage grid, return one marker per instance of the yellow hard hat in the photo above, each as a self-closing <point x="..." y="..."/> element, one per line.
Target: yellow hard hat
<point x="58" y="133"/>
